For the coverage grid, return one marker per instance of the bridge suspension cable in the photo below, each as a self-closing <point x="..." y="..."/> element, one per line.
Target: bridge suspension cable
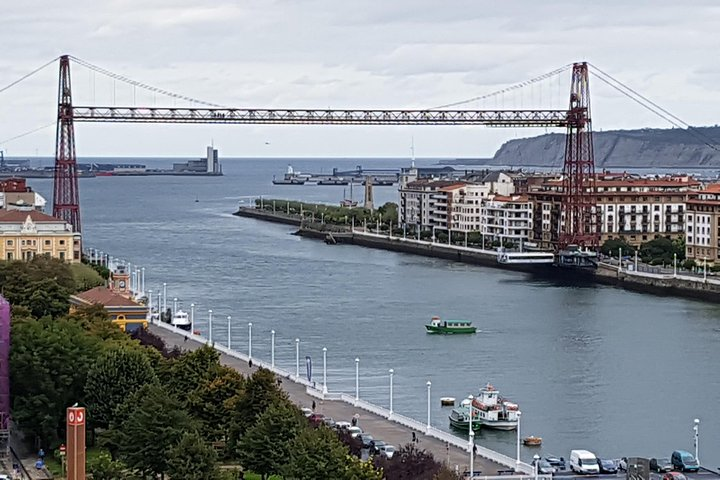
<point x="25" y="134"/>
<point x="28" y="75"/>
<point x="651" y="106"/>
<point x="502" y="91"/>
<point x="135" y="83"/>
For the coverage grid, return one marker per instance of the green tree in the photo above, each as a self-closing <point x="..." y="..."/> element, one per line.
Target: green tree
<point x="212" y="403"/>
<point x="317" y="453"/>
<point x="85" y="277"/>
<point x="192" y="459"/>
<point x="612" y="247"/>
<point x="265" y="447"/>
<point x="409" y="462"/>
<point x="658" y="250"/>
<point x="689" y="264"/>
<point x="49" y="361"/>
<point x="117" y="373"/>
<point x="361" y="470"/>
<point x="189" y="371"/>
<point x="148" y="425"/>
<point x="261" y="391"/>
<point x="103" y="467"/>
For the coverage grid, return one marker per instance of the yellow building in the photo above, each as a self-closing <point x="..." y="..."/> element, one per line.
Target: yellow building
<point x="123" y="312"/>
<point x="27" y="233"/>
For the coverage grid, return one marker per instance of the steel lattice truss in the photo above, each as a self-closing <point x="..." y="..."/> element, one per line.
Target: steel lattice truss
<point x="493" y="118"/>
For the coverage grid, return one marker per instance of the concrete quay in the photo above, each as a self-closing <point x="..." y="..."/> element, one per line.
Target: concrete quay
<point x="336" y="405"/>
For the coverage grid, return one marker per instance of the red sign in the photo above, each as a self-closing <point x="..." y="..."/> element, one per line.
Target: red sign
<point x="62" y="447"/>
<point x="76" y="416"/>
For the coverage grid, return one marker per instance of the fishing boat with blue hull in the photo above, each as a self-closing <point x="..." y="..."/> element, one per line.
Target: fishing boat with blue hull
<point x="449" y="326"/>
<point x="460" y="417"/>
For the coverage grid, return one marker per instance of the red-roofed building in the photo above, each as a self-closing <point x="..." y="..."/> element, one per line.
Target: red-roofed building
<point x="124" y="312"/>
<point x="507" y="219"/>
<point x="27" y="233"/>
<point x="702" y="240"/>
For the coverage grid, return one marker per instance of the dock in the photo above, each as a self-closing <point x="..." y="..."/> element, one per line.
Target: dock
<point x="393" y="428"/>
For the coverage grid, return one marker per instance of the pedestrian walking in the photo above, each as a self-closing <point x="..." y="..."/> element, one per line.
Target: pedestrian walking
<point x="250" y="363"/>
<point x="313" y="405"/>
<point x="414" y="437"/>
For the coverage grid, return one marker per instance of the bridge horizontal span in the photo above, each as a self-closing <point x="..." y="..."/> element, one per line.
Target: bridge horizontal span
<point x="493" y="118"/>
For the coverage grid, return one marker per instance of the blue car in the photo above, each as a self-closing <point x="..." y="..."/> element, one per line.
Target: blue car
<point x="684" y="461"/>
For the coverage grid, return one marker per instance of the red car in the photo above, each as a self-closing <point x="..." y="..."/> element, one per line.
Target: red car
<point x="317" y="418"/>
<point x="674" y="476"/>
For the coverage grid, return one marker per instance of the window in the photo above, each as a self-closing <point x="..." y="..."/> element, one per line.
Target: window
<point x="62" y="242"/>
<point x="9" y="255"/>
<point x="9" y="243"/>
<point x="47" y="243"/>
<point x="62" y="256"/>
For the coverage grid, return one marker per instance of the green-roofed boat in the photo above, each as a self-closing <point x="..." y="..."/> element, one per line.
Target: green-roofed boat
<point x="449" y="326"/>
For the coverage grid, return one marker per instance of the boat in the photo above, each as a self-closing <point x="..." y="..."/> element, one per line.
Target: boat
<point x="348" y="202"/>
<point x="447" y="401"/>
<point x="449" y="326"/>
<point x="290" y="178"/>
<point x="333" y="181"/>
<point x="460" y="417"/>
<point x="494" y="411"/>
<point x="532" y="441"/>
<point x="181" y="320"/>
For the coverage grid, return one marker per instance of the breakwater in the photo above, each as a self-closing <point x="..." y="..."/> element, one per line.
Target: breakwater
<point x="707" y="289"/>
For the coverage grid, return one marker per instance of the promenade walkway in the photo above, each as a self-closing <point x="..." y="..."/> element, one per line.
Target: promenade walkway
<point x="381" y="428"/>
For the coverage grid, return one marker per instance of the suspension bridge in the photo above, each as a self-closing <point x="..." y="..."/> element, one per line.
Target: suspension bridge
<point x="579" y="225"/>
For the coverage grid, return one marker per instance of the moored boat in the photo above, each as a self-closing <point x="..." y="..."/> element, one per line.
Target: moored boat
<point x="460" y="417"/>
<point x="532" y="441"/>
<point x="181" y="320"/>
<point x="494" y="411"/>
<point x="449" y="326"/>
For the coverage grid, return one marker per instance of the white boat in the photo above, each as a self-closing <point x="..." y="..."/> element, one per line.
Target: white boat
<point x="181" y="320"/>
<point x="494" y="411"/>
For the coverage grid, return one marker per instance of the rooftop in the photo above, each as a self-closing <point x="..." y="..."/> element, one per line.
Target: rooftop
<point x="105" y="297"/>
<point x="20" y="216"/>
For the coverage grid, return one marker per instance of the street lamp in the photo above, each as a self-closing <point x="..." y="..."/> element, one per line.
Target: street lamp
<point x="517" y="460"/>
<point x="210" y="325"/>
<point x="164" y="297"/>
<point x="297" y="358"/>
<point x="192" y="317"/>
<point x="150" y="305"/>
<point x="705" y="269"/>
<point x="696" y="428"/>
<point x="272" y="348"/>
<point x="229" y="342"/>
<point x="325" y="390"/>
<point x="536" y="465"/>
<point x="674" y="264"/>
<point x="391" y="390"/>
<point x="357" y="379"/>
<point x="428" y="398"/>
<point x="472" y="452"/>
<point x="249" y="340"/>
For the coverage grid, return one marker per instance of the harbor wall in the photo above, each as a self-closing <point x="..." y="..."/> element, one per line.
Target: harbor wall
<point x="656" y="284"/>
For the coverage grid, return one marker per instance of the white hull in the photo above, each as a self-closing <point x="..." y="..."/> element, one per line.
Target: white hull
<point x="499" y="425"/>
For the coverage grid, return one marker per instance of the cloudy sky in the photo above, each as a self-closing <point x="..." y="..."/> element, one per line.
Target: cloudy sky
<point x="344" y="54"/>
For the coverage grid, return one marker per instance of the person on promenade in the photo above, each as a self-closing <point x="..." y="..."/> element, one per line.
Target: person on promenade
<point x="313" y="406"/>
<point x="250" y="363"/>
<point x="414" y="437"/>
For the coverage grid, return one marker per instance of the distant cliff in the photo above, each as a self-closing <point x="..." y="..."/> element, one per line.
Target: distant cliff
<point x="657" y="148"/>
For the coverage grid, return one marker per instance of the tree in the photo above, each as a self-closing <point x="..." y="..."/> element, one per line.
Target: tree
<point x="49" y="361"/>
<point x="316" y="453"/>
<point x="212" y="402"/>
<point x="189" y="371"/>
<point x="265" y="447"/>
<point x="362" y="470"/>
<point x="192" y="459"/>
<point x="409" y="463"/>
<point x="689" y="264"/>
<point x="85" y="277"/>
<point x="147" y="426"/>
<point x="117" y="374"/>
<point x="103" y="467"/>
<point x="612" y="247"/>
<point x="261" y="391"/>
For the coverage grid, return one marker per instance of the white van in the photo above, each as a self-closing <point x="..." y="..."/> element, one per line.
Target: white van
<point x="582" y="461"/>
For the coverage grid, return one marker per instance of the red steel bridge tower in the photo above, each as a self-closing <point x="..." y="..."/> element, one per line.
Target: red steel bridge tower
<point x="578" y="225"/>
<point x="66" y="201"/>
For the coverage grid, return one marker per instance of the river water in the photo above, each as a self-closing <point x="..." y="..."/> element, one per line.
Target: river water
<point x="594" y="367"/>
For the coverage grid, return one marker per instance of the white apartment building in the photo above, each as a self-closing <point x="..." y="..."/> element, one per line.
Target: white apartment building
<point x="507" y="219"/>
<point x="702" y="241"/>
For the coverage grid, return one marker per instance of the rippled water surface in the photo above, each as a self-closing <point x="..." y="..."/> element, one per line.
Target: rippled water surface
<point x="592" y="367"/>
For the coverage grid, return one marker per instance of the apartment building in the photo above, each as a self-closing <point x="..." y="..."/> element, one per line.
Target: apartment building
<point x="702" y="241"/>
<point x="507" y="219"/>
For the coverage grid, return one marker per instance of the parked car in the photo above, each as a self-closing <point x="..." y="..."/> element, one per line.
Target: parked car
<point x="674" y="476"/>
<point x="622" y="464"/>
<point x="341" y="425"/>
<point x="316" y="418"/>
<point x="661" y="465"/>
<point x="387" y="450"/>
<point x="557" y="462"/>
<point x="684" y="461"/>
<point x="376" y="446"/>
<point x="366" y="439"/>
<point x="306" y="411"/>
<point x="607" y="466"/>
<point x="329" y="422"/>
<point x="354" y="431"/>
<point x="544" y="467"/>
